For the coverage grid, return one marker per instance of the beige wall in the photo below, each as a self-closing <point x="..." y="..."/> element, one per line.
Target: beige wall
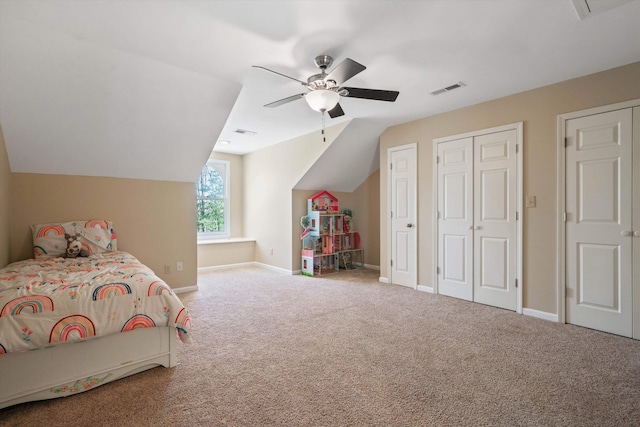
<point x="5" y="179"/>
<point x="154" y="220"/>
<point x="366" y="212"/>
<point x="538" y="109"/>
<point x="228" y="253"/>
<point x="270" y="175"/>
<point x="365" y="204"/>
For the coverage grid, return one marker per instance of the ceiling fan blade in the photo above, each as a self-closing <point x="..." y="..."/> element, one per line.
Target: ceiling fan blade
<point x="375" y="94"/>
<point x="284" y="100"/>
<point x="344" y="71"/>
<point x="336" y="111"/>
<point x="280" y="74"/>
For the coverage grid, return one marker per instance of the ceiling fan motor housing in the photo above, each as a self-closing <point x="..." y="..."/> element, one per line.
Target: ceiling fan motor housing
<point x="317" y="81"/>
<point x="323" y="62"/>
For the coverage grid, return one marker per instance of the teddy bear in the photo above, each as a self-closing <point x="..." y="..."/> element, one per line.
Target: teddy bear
<point x="74" y="247"/>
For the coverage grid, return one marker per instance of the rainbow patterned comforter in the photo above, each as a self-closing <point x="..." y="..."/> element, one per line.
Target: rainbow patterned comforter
<point x="45" y="302"/>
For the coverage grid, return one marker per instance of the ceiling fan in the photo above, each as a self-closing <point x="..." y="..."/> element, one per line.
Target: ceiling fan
<point x="325" y="90"/>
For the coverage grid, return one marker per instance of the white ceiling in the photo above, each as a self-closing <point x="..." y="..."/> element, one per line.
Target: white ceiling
<point x="144" y="88"/>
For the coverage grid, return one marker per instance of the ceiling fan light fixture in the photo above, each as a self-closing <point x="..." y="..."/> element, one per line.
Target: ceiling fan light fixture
<point x="322" y="99"/>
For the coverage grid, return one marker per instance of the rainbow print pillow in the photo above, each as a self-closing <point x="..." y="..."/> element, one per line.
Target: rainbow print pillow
<point x="96" y="236"/>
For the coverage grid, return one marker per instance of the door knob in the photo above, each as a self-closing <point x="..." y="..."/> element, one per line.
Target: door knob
<point x="477" y="227"/>
<point x="470" y="227"/>
<point x="409" y="225"/>
<point x="626" y="233"/>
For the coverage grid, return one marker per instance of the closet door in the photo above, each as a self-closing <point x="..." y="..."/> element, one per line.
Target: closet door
<point x="599" y="222"/>
<point x="477" y="228"/>
<point x="494" y="226"/>
<point x="455" y="222"/>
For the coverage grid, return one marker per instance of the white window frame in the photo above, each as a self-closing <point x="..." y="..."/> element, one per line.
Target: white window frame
<point x="210" y="235"/>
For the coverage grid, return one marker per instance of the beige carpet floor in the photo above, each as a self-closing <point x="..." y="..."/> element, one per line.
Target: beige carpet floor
<point x="346" y="350"/>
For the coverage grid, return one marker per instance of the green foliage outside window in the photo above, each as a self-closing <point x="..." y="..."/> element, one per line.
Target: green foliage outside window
<point x="210" y="199"/>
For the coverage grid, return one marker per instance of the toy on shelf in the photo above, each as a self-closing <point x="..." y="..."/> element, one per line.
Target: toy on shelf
<point x="329" y="243"/>
<point x="347" y="219"/>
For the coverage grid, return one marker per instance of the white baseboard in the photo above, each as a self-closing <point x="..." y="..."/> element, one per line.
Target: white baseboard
<point x="247" y="264"/>
<point x="185" y="289"/>
<point x="428" y="289"/>
<point x="218" y="267"/>
<point x="540" y="314"/>
<point x="383" y="279"/>
<point x="273" y="268"/>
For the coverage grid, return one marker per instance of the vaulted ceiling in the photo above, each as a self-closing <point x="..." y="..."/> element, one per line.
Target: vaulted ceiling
<point x="145" y="89"/>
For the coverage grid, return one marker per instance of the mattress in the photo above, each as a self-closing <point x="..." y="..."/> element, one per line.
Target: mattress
<point x="47" y="302"/>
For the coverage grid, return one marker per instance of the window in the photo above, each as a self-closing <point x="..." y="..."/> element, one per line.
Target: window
<point x="212" y="200"/>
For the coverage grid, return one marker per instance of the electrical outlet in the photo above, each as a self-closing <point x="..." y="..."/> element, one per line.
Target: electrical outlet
<point x="179" y="266"/>
<point x="167" y="269"/>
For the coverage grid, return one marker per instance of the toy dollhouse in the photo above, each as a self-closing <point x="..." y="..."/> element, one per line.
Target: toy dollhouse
<point x="322" y="202"/>
<point x="328" y="243"/>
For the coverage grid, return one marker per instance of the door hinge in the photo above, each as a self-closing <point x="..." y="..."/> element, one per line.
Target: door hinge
<point x="437" y="159"/>
<point x="438" y="270"/>
<point x="564" y="216"/>
<point x="391" y="263"/>
<point x="565" y="291"/>
<point x="517" y="148"/>
<point x="391" y="166"/>
<point x="517" y="216"/>
<point x="516" y="283"/>
<point x="566" y="141"/>
<point x="438" y="215"/>
<point x="391" y="214"/>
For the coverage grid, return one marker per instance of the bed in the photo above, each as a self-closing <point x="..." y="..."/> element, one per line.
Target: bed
<point x="68" y="325"/>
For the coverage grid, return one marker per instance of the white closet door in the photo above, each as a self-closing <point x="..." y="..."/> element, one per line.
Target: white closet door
<point x="455" y="223"/>
<point x="495" y="229"/>
<point x="404" y="269"/>
<point x="599" y="224"/>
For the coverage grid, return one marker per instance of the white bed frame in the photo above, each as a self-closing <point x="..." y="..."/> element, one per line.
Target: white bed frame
<point x="73" y="368"/>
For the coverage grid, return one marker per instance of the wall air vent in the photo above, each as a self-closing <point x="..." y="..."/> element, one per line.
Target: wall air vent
<point x="448" y="88"/>
<point x="245" y="132"/>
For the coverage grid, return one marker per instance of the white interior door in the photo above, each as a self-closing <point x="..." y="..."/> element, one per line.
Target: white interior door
<point x="477" y="200"/>
<point x="404" y="269"/>
<point x="455" y="218"/>
<point x="494" y="219"/>
<point x="599" y="224"/>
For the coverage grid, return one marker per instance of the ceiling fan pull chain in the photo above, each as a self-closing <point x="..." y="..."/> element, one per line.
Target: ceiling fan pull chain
<point x="324" y="138"/>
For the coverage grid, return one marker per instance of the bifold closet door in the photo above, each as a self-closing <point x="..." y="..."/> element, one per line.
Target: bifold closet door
<point x="477" y="231"/>
<point x="599" y="233"/>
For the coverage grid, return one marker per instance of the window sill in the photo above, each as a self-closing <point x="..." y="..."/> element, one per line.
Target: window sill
<point x="225" y="241"/>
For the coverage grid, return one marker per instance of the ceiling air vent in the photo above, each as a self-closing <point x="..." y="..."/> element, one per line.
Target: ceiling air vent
<point x="245" y="132"/>
<point x="448" y="88"/>
<point x="586" y="8"/>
